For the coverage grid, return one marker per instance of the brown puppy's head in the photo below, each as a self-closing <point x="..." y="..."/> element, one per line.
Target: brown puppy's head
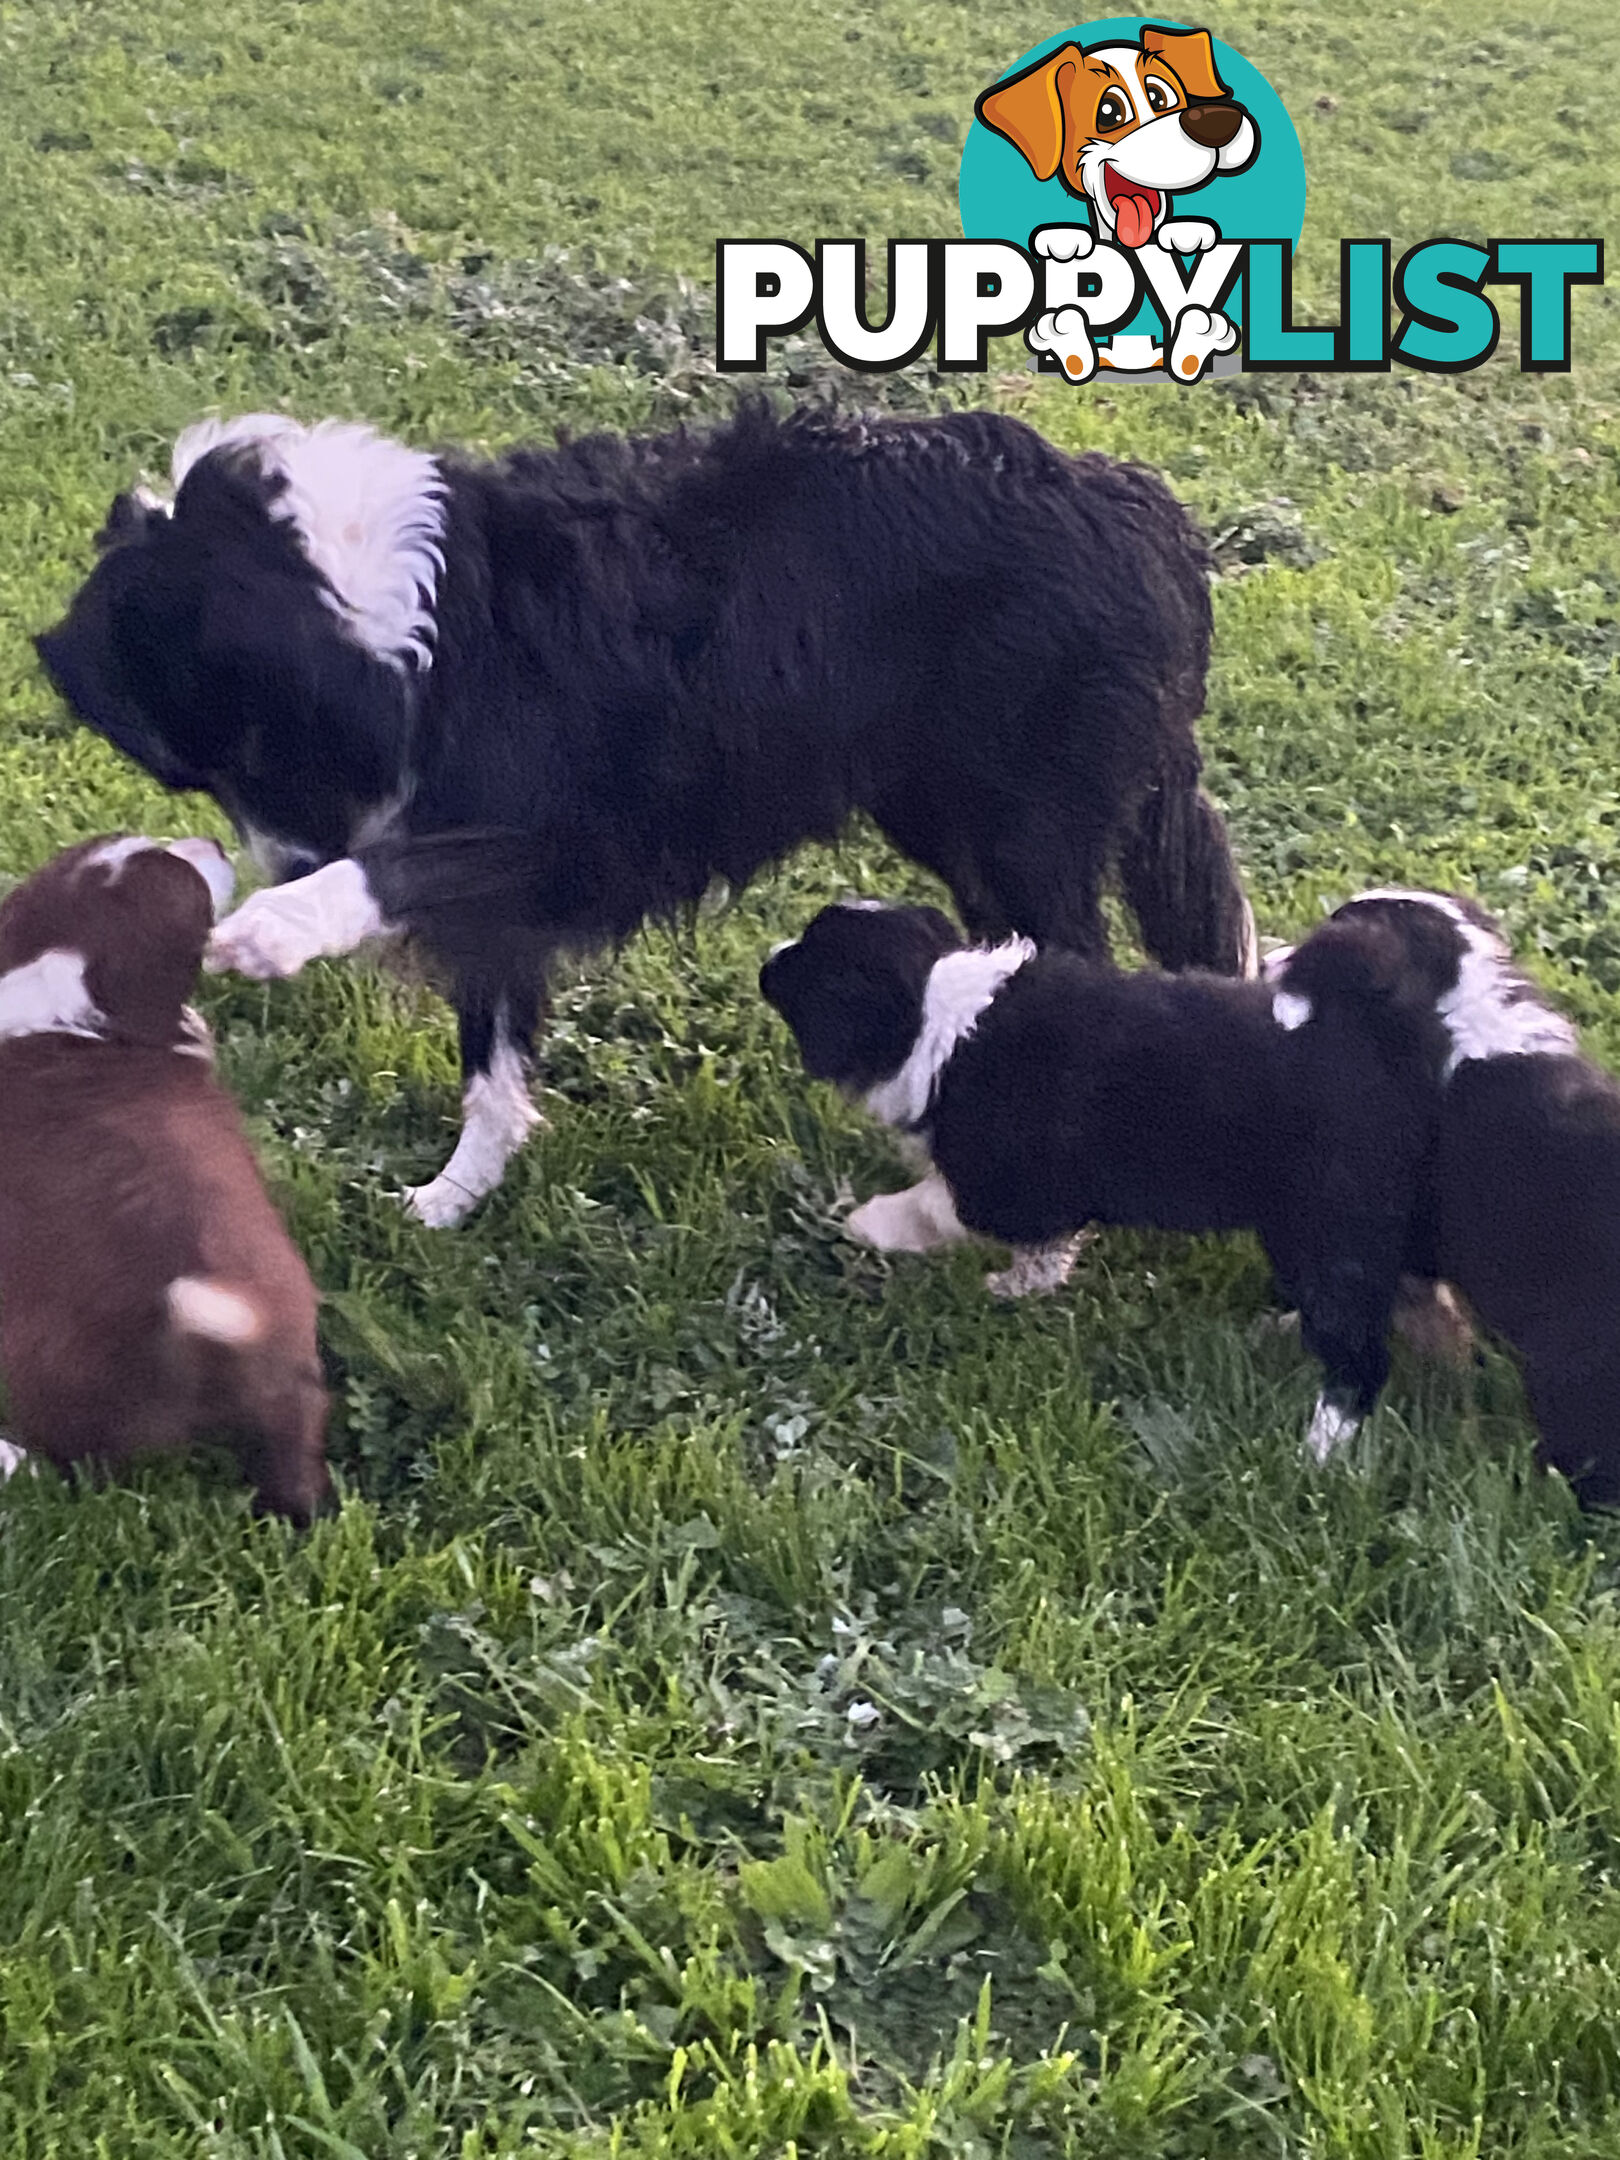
<point x="107" y="940"/>
<point x="1125" y="126"/>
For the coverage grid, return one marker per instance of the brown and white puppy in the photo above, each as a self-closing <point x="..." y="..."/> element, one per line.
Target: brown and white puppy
<point x="149" y="1292"/>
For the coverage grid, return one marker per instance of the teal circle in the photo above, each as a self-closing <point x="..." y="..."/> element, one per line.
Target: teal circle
<point x="1001" y="199"/>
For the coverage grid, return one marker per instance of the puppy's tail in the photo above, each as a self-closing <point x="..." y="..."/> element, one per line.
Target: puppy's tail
<point x="1181" y="881"/>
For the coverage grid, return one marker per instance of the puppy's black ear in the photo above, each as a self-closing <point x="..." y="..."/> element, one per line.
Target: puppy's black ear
<point x="1353" y="959"/>
<point x="132" y="517"/>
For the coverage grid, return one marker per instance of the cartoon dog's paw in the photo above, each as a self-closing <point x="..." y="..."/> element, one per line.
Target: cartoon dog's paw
<point x="1065" y="243"/>
<point x="1186" y="236"/>
<point x="1066" y="335"/>
<point x="1199" y="336"/>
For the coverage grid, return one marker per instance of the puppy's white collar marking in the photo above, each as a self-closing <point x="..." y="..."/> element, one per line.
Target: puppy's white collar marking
<point x="1290" y="1010"/>
<point x="47" y="996"/>
<point x="1491" y="1011"/>
<point x="959" y="988"/>
<point x="368" y="512"/>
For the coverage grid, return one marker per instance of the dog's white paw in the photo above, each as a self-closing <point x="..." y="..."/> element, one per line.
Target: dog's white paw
<point x="1038" y="1270"/>
<point x="1199" y="336"/>
<point x="921" y="1219"/>
<point x="1065" y="243"/>
<point x="261" y="941"/>
<point x="12" y="1459"/>
<point x="1186" y="236"/>
<point x="441" y="1204"/>
<point x="277" y="932"/>
<point x="1066" y="335"/>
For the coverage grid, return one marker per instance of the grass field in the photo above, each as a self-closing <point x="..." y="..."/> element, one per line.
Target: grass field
<point x="535" y="1802"/>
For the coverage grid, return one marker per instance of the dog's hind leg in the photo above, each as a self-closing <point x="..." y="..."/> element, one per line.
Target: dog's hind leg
<point x="497" y="1043"/>
<point x="1181" y="882"/>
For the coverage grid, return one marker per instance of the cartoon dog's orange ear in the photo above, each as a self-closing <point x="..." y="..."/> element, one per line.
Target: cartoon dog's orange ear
<point x="1191" y="58"/>
<point x="1028" y="109"/>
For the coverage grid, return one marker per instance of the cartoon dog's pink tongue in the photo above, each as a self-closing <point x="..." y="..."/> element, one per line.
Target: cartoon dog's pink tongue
<point x="1134" y="207"/>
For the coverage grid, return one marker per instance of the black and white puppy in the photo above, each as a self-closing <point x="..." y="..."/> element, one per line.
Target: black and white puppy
<point x="1521" y="1211"/>
<point x="522" y="706"/>
<point x="1051" y="1092"/>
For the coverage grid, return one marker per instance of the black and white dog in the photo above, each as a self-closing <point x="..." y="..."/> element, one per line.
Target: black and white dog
<point x="1051" y="1092"/>
<point x="518" y="707"/>
<point x="1521" y="1206"/>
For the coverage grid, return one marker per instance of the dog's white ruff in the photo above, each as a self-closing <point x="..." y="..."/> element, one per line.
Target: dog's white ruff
<point x="497" y="1117"/>
<point x="368" y="512"/>
<point x="47" y="996"/>
<point x="921" y="1219"/>
<point x="959" y="988"/>
<point x="276" y="932"/>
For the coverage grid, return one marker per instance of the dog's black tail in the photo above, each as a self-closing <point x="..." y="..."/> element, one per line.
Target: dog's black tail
<point x="1181" y="882"/>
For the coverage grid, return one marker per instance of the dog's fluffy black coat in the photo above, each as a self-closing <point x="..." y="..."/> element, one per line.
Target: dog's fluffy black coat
<point x="659" y="662"/>
<point x="1082" y="1095"/>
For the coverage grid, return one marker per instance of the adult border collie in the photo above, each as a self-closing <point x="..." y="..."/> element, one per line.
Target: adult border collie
<point x="519" y="707"/>
<point x="1050" y="1093"/>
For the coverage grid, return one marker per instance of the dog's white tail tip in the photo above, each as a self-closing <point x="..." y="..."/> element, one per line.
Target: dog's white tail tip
<point x="200" y="1307"/>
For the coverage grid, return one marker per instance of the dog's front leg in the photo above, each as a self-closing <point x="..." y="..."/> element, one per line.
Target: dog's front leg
<point x="497" y="1028"/>
<point x="277" y="932"/>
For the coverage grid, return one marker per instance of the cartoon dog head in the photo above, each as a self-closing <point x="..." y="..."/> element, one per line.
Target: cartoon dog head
<point x="1125" y="126"/>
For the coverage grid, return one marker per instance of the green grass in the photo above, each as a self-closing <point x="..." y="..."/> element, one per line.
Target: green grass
<point x="536" y="1802"/>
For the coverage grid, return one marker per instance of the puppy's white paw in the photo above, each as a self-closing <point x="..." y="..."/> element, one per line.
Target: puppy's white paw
<point x="12" y="1459"/>
<point x="1066" y="335"/>
<point x="441" y="1204"/>
<point x="1199" y="336"/>
<point x="921" y="1219"/>
<point x="1330" y="1429"/>
<point x="1186" y="236"/>
<point x="1038" y="1270"/>
<point x="1065" y="243"/>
